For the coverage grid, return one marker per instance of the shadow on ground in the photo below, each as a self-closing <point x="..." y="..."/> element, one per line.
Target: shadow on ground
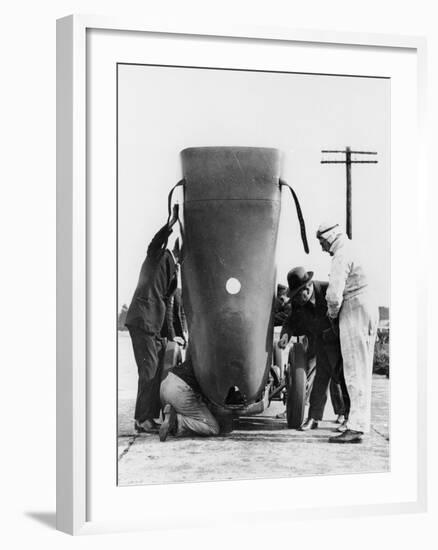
<point x="45" y="518"/>
<point x="251" y="423"/>
<point x="259" y="447"/>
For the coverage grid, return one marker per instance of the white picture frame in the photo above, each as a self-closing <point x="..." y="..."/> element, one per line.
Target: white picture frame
<point x="73" y="221"/>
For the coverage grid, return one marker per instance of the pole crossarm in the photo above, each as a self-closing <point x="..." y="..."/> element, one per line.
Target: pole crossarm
<point x="348" y="161"/>
<point x="344" y="151"/>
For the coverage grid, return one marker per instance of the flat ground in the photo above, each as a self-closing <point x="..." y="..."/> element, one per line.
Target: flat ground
<point x="259" y="447"/>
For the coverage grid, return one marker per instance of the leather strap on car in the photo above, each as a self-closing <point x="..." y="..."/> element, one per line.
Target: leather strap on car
<point x="299" y="214"/>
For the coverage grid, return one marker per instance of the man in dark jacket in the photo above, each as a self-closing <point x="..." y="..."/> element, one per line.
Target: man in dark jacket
<point x="145" y="319"/>
<point x="309" y="317"/>
<point x="175" y="325"/>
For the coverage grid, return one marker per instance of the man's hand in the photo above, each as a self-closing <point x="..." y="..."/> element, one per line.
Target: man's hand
<point x="174" y="217"/>
<point x="179" y="341"/>
<point x="283" y="342"/>
<point x="334" y="321"/>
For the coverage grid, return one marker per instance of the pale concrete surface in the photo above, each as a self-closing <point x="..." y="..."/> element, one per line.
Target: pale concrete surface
<point x="259" y="447"/>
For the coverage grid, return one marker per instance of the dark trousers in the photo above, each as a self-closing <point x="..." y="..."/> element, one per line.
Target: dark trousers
<point x="149" y="353"/>
<point x="328" y="372"/>
<point x="339" y="397"/>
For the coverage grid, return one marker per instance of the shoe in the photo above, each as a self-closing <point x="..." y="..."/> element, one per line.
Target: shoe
<point x="343" y="427"/>
<point x="309" y="424"/>
<point x="169" y="424"/>
<point x="349" y="436"/>
<point x="281" y="416"/>
<point x="340" y="419"/>
<point x="149" y="426"/>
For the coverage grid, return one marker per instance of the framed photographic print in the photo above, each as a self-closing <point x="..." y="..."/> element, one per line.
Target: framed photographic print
<point x="234" y="209"/>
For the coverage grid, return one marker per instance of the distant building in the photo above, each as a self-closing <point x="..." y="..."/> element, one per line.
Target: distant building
<point x="384" y="313"/>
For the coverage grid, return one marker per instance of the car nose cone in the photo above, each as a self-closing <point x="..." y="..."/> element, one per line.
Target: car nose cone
<point x="231" y="215"/>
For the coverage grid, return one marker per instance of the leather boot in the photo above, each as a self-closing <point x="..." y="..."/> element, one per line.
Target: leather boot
<point x="148" y="426"/>
<point x="169" y="425"/>
<point x="309" y="424"/>
<point x="349" y="436"/>
<point x="343" y="427"/>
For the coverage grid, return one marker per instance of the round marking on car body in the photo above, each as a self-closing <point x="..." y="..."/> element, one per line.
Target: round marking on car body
<point x="233" y="286"/>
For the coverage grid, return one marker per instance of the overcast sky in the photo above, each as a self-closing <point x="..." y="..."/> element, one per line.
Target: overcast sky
<point x="164" y="110"/>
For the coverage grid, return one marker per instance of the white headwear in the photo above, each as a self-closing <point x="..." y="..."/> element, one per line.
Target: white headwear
<point x="329" y="231"/>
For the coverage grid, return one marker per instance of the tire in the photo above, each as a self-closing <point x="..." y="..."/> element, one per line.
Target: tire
<point x="296" y="389"/>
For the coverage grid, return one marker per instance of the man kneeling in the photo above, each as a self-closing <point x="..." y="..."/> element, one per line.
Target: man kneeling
<point x="185" y="411"/>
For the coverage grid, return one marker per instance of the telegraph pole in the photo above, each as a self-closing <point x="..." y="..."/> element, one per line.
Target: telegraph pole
<point x="348" y="162"/>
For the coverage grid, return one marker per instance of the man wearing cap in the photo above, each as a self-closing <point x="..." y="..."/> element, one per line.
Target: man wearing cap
<point x="145" y="318"/>
<point x="309" y="317"/>
<point x="351" y="307"/>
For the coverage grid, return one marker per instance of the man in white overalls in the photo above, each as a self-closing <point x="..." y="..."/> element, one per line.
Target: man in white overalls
<point x="351" y="307"/>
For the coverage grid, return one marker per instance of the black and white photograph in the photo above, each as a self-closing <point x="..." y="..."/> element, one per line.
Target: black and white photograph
<point x="219" y="219"/>
<point x="253" y="274"/>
